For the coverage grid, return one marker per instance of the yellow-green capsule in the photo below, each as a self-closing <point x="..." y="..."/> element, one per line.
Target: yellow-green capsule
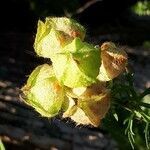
<point x="68" y="26"/>
<point x="56" y="32"/>
<point x="77" y="65"/>
<point x="43" y="91"/>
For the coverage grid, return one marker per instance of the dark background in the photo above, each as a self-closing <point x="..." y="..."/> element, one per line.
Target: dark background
<point x="99" y="16"/>
<point x="22" y="15"/>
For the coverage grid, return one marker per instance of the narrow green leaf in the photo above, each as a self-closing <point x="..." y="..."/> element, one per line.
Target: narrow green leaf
<point x="146" y="131"/>
<point x="2" y="147"/>
<point x="131" y="140"/>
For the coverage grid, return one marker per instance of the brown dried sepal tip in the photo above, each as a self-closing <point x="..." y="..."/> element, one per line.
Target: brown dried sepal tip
<point x="114" y="61"/>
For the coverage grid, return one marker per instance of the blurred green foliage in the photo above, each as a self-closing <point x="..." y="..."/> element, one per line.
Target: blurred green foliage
<point x="142" y="8"/>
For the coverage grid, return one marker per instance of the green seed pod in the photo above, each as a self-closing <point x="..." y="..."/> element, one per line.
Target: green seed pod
<point x="68" y="26"/>
<point x="51" y="44"/>
<point x="54" y="34"/>
<point x="114" y="61"/>
<point x="77" y="65"/>
<point x="43" y="91"/>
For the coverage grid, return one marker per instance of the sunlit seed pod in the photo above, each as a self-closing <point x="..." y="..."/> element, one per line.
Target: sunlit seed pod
<point x="91" y="105"/>
<point x="53" y="34"/>
<point x="77" y="65"/>
<point x="68" y="26"/>
<point x="95" y="102"/>
<point x="96" y="109"/>
<point x="114" y="61"/>
<point x="43" y="91"/>
<point x="76" y="113"/>
<point x="51" y="43"/>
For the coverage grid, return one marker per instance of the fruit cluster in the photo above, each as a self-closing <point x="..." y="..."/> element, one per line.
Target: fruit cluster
<point x="75" y="84"/>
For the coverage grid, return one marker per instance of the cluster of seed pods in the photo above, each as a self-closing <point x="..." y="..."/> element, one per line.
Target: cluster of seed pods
<point x="75" y="84"/>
